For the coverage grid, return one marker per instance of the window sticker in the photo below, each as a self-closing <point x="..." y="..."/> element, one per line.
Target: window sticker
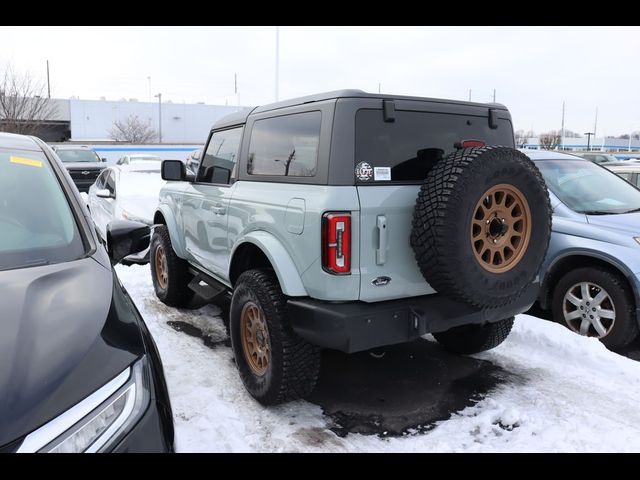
<point x="381" y="174"/>
<point x="26" y="161"/>
<point x="364" y="172"/>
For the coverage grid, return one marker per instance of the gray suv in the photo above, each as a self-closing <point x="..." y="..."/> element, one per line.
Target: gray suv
<point x="350" y="221"/>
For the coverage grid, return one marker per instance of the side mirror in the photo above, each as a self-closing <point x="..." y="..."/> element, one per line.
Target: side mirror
<point x="104" y="193"/>
<point x="125" y="237"/>
<point x="173" y="170"/>
<point x="104" y="159"/>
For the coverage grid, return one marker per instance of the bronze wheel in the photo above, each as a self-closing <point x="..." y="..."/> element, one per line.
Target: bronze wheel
<point x="162" y="274"/>
<point x="501" y="228"/>
<point x="255" y="338"/>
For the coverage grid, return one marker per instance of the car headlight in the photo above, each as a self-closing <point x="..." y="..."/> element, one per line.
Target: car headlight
<point x="98" y="421"/>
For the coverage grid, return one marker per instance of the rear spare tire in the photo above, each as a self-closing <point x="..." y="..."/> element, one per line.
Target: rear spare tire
<point x="481" y="225"/>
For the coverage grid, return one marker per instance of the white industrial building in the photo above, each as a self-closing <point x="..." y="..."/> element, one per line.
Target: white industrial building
<point x="89" y="121"/>
<point x="601" y="144"/>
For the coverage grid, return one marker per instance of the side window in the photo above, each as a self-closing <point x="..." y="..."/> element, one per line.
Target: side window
<point x="111" y="183"/>
<point x="218" y="162"/>
<point x="285" y="146"/>
<point x="100" y="179"/>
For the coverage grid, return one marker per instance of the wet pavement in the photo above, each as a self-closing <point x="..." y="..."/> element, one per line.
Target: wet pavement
<point x="404" y="392"/>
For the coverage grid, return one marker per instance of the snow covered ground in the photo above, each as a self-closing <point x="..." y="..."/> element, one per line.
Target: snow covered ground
<point x="563" y="392"/>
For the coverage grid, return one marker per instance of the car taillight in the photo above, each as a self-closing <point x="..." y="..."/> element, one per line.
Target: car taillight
<point x="472" y="143"/>
<point x="336" y="243"/>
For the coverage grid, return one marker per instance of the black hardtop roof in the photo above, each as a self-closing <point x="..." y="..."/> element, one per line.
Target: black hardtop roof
<point x="241" y="116"/>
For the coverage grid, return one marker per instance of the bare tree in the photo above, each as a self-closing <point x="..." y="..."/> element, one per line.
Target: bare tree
<point x="571" y="134"/>
<point x="132" y="130"/>
<point x="24" y="105"/>
<point x="521" y="138"/>
<point x="549" y="140"/>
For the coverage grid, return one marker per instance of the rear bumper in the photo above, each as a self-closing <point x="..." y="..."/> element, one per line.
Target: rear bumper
<point x="356" y="326"/>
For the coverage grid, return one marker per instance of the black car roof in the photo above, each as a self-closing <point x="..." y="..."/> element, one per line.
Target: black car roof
<point x="241" y="116"/>
<point x="18" y="142"/>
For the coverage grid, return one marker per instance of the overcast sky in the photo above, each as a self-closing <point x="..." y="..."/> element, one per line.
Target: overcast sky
<point x="532" y="69"/>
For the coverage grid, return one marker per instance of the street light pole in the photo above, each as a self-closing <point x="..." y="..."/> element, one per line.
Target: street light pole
<point x="159" y="95"/>
<point x="588" y="134"/>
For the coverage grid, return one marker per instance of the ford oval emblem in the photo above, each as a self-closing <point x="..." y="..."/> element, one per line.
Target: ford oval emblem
<point x="380" y="281"/>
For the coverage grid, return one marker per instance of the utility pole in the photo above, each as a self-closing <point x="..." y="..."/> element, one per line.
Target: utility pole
<point x="562" y="127"/>
<point x="595" y="125"/>
<point x="48" y="83"/>
<point x="149" y="81"/>
<point x="277" y="61"/>
<point x="588" y="134"/>
<point x="469" y="94"/>
<point x="159" y="95"/>
<point x="494" y="95"/>
<point x="379" y="88"/>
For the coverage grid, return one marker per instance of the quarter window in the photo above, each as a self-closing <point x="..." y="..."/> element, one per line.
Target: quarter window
<point x="285" y="146"/>
<point x="219" y="161"/>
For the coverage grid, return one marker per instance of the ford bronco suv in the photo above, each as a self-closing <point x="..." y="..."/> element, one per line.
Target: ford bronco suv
<point x="350" y="221"/>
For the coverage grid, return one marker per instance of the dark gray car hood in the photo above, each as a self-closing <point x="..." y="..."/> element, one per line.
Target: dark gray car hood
<point x="67" y="329"/>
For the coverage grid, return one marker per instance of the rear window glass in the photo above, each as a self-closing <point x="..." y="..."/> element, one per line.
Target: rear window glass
<point x="285" y="146"/>
<point x="37" y="226"/>
<point x="405" y="150"/>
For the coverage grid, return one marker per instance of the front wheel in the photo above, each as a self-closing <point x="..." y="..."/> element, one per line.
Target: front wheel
<point x="596" y="302"/>
<point x="468" y="339"/>
<point x="169" y="272"/>
<point x="275" y="364"/>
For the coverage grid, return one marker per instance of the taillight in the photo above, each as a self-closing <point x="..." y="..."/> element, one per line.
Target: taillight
<point x="469" y="143"/>
<point x="336" y="243"/>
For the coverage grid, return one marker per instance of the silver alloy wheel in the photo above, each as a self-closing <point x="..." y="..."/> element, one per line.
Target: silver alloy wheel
<point x="589" y="310"/>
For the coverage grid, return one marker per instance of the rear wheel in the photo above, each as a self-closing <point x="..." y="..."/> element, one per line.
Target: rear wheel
<point x="274" y="363"/>
<point x="481" y="225"/>
<point x="596" y="302"/>
<point x="468" y="339"/>
<point x="168" y="271"/>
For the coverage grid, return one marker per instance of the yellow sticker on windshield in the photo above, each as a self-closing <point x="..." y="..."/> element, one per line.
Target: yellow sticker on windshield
<point x="26" y="161"/>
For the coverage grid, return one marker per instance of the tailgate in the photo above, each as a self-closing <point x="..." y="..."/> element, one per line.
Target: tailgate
<point x="385" y="253"/>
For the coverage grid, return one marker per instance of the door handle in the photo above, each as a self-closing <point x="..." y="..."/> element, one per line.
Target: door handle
<point x="381" y="251"/>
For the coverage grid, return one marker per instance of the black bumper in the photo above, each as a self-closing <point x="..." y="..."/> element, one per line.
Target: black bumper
<point x="356" y="326"/>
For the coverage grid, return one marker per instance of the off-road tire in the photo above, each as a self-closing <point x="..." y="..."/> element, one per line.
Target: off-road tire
<point x="294" y="364"/>
<point x="175" y="292"/>
<point x="469" y="339"/>
<point x="445" y="217"/>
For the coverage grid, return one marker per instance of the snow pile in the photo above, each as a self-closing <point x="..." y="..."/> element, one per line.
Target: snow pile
<point x="569" y="394"/>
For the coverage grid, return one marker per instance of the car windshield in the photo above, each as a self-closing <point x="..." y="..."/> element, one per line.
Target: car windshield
<point x="588" y="188"/>
<point x="36" y="222"/>
<point x="79" y="155"/>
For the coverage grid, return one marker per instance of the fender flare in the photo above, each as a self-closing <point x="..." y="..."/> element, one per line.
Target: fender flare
<point x="599" y="256"/>
<point x="170" y="221"/>
<point x="280" y="260"/>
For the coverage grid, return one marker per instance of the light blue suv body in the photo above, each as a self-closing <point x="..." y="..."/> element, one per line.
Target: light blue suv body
<point x="593" y="239"/>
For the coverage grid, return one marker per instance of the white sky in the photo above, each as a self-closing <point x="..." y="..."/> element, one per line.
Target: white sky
<point x="533" y="69"/>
